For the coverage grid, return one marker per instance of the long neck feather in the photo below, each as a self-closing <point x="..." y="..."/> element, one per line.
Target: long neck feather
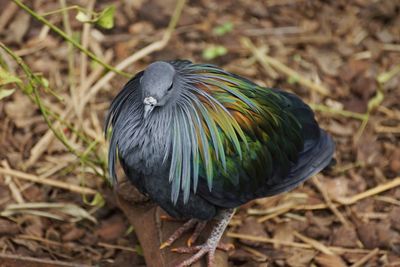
<point x="203" y="128"/>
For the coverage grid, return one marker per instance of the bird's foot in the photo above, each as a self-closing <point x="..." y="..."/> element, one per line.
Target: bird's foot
<point x="212" y="242"/>
<point x="208" y="248"/>
<point x="199" y="226"/>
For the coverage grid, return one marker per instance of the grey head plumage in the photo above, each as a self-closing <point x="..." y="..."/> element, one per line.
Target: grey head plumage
<point x="156" y="84"/>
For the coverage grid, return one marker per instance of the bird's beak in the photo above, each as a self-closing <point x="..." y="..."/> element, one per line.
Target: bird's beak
<point x="147" y="110"/>
<point x="149" y="104"/>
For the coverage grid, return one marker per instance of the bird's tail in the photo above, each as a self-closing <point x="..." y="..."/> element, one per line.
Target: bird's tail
<point x="317" y="155"/>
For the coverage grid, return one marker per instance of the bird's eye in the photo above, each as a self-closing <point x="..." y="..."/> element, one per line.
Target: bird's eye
<point x="170" y="87"/>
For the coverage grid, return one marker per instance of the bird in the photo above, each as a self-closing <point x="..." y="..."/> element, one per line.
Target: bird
<point x="201" y="141"/>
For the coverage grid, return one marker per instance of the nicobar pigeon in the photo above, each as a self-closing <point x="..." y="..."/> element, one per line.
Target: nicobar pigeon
<point x="201" y="141"/>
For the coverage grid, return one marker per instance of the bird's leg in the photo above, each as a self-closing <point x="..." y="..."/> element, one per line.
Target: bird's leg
<point x="211" y="244"/>
<point x="178" y="233"/>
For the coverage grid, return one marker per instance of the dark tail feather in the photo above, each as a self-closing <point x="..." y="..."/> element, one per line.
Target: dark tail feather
<point x="317" y="155"/>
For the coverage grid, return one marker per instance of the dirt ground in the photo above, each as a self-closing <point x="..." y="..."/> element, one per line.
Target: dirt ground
<point x="342" y="57"/>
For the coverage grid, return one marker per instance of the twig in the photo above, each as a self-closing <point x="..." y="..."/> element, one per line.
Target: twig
<point x="373" y="191"/>
<point x="259" y="55"/>
<point x="68" y="38"/>
<point x="344" y="113"/>
<point x="105" y="245"/>
<point x="268" y="240"/>
<point x="328" y="202"/>
<point x="275" y="214"/>
<point x="386" y="76"/>
<point x="15" y="192"/>
<point x="314" y="243"/>
<point x="366" y="258"/>
<point x="283" y="68"/>
<point x="389" y="200"/>
<point x="259" y="256"/>
<point x="42" y="145"/>
<point x="70" y="57"/>
<point x="7" y="14"/>
<point x="85" y="42"/>
<point x="347" y="200"/>
<point x="391" y="47"/>
<point x="337" y="250"/>
<point x="387" y="129"/>
<point x="50" y="182"/>
<point x="11" y="260"/>
<point x="44" y="240"/>
<point x="278" y="208"/>
<point x="139" y="54"/>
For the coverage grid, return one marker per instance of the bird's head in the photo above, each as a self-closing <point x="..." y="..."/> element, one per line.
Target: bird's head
<point x="158" y="86"/>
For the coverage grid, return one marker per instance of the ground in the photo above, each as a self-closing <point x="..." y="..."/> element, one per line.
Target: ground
<point x="342" y="57"/>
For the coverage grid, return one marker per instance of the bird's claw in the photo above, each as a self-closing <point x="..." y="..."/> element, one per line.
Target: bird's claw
<point x="168" y="218"/>
<point x="201" y="250"/>
<point x="184" y="228"/>
<point x="209" y="247"/>
<point x="222" y="246"/>
<point x="197" y="231"/>
<point x="164" y="245"/>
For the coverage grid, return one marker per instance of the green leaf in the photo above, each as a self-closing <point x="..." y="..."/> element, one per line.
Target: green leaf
<point x="6" y="77"/>
<point x="82" y="17"/>
<point x="214" y="51"/>
<point x="106" y="18"/>
<point x="6" y="92"/>
<point x="293" y="79"/>
<point x="130" y="230"/>
<point x="97" y="201"/>
<point x="45" y="82"/>
<point x="223" y="29"/>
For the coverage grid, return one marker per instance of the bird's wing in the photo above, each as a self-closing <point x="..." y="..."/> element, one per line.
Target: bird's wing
<point x="269" y="138"/>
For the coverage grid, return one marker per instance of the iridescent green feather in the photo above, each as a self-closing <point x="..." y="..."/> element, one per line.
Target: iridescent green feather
<point x="234" y="120"/>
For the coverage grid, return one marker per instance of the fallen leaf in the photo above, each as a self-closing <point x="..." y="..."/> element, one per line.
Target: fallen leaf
<point x="111" y="229"/>
<point x="283" y="232"/>
<point x="74" y="234"/>
<point x="251" y="227"/>
<point x="368" y="235"/>
<point x="345" y="237"/>
<point x="300" y="257"/>
<point x="325" y="260"/>
<point x="8" y="227"/>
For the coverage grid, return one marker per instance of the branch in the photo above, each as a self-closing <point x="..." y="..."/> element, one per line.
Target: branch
<point x="144" y="216"/>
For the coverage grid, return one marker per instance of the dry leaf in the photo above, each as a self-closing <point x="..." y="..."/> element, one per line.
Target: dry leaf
<point x="325" y="260"/>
